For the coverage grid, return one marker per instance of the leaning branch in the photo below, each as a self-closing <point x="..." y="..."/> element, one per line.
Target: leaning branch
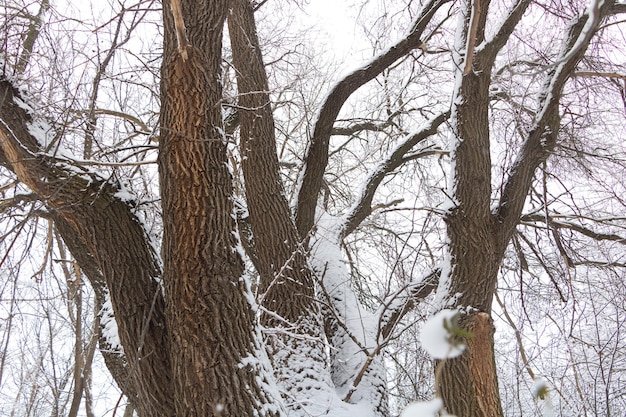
<point x="585" y="231"/>
<point x="542" y="137"/>
<point x="400" y="304"/>
<point x="115" y="245"/>
<point x="363" y="206"/>
<point x="317" y="155"/>
<point x="497" y="42"/>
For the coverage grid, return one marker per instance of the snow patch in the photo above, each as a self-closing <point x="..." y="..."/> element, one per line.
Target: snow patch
<point x="436" y="336"/>
<point x="423" y="409"/>
<point x="109" y="326"/>
<point x="541" y="393"/>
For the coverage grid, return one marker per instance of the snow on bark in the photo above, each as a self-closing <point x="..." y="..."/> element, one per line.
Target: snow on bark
<point x="109" y="326"/>
<point x="356" y="361"/>
<point x="423" y="409"/>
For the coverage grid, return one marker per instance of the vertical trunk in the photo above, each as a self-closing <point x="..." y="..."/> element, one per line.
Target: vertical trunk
<point x="287" y="282"/>
<point x="212" y="340"/>
<point x="282" y="264"/>
<point x="478" y="238"/>
<point x="468" y="383"/>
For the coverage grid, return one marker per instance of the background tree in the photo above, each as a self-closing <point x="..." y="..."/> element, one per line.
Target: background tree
<point x="258" y="278"/>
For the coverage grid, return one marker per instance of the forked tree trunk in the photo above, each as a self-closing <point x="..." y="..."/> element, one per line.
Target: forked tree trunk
<point x="198" y="354"/>
<point x="477" y="235"/>
<point x="468" y="384"/>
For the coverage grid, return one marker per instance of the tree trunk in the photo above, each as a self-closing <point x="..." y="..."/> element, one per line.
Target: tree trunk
<point x="468" y="384"/>
<point x="477" y="236"/>
<point x="295" y="340"/>
<point x="213" y="344"/>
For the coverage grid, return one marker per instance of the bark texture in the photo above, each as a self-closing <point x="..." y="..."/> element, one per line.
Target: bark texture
<point x="477" y="236"/>
<point x="292" y="317"/>
<point x="285" y="277"/>
<point x="186" y="323"/>
<point x="212" y="341"/>
<point x="474" y="372"/>
<point x="113" y="244"/>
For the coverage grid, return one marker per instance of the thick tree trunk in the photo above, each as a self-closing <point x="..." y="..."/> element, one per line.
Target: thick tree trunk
<point x="213" y="344"/>
<point x="468" y="384"/>
<point x="281" y="261"/>
<point x="478" y="237"/>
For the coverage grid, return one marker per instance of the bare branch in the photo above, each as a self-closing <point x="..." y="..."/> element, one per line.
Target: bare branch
<point x="497" y="42"/>
<point x="600" y="74"/>
<point x="536" y="218"/>
<point x="33" y="33"/>
<point x="362" y="207"/>
<point x="106" y="229"/>
<point x="400" y="304"/>
<point x="542" y="137"/>
<point x="317" y="155"/>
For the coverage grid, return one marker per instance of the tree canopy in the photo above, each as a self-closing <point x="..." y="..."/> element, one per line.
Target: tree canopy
<point x="238" y="208"/>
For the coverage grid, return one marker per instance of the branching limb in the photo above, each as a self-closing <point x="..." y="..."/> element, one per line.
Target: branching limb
<point x="317" y="155"/>
<point x="497" y="42"/>
<point x="536" y="218"/>
<point x="363" y="206"/>
<point x="399" y="304"/>
<point x="542" y="137"/>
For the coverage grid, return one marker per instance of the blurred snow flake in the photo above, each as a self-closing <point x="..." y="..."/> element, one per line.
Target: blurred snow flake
<point x="437" y="335"/>
<point x="423" y="409"/>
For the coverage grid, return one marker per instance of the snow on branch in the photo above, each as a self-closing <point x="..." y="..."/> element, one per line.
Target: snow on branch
<point x="497" y="42"/>
<point x="97" y="221"/>
<point x="403" y="301"/>
<point x="363" y="205"/>
<point x="317" y="154"/>
<point x="543" y="135"/>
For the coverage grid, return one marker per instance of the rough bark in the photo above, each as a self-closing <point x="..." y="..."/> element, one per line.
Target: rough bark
<point x="478" y="237"/>
<point x="473" y="248"/>
<point x="212" y="341"/>
<point x="294" y="329"/>
<point x="285" y="276"/>
<point x="115" y="245"/>
<point x="474" y="372"/>
<point x="114" y="357"/>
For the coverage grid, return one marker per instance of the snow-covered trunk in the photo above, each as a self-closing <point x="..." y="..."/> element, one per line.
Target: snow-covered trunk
<point x="108" y="241"/>
<point x="290" y="314"/>
<point x="356" y="358"/>
<point x="468" y="384"/>
<point x="477" y="234"/>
